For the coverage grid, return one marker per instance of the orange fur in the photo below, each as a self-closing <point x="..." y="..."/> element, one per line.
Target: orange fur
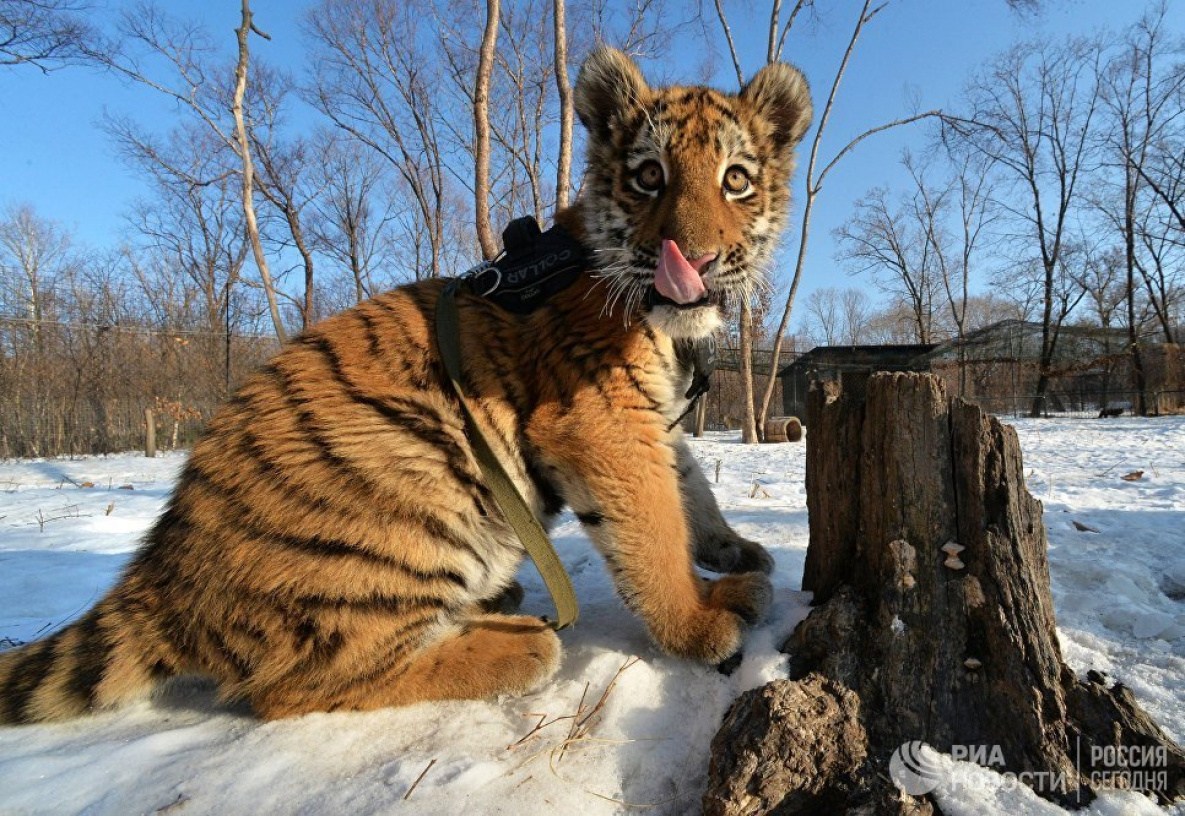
<point x="330" y="543"/>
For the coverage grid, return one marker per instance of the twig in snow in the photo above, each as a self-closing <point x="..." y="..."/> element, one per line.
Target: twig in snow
<point x="419" y="778"/>
<point x="582" y="721"/>
<point x="582" y="725"/>
<point x="69" y="511"/>
<point x="719" y="462"/>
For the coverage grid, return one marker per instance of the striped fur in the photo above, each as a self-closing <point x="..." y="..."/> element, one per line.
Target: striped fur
<point x="331" y="544"/>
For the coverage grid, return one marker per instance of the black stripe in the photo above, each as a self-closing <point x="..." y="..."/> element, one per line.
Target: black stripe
<point x="91" y="655"/>
<point x="372" y="334"/>
<point x="387" y="604"/>
<point x="438" y="528"/>
<point x="590" y="519"/>
<point x="399" y="652"/>
<point x="31" y="667"/>
<point x="324" y="647"/>
<point x="640" y="388"/>
<point x="241" y="665"/>
<point x="410" y="421"/>
<point x="553" y="501"/>
<point x="316" y="545"/>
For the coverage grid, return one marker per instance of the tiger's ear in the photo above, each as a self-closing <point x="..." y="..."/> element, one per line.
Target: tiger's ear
<point x="609" y="85"/>
<point x="780" y="93"/>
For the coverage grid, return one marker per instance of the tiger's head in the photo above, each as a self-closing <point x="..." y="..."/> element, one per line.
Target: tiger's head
<point x="686" y="188"/>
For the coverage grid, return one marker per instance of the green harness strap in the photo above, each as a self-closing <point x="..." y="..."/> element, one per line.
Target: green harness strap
<point x="514" y="507"/>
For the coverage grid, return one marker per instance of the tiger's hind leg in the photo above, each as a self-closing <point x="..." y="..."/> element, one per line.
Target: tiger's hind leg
<point x="484" y="656"/>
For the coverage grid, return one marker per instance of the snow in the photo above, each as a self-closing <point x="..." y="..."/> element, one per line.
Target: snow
<point x="1118" y="584"/>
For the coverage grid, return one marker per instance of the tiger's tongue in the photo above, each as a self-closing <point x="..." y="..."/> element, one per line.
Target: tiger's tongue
<point x="675" y="278"/>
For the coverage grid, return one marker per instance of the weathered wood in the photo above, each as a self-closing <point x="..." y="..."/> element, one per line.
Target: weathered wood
<point x="149" y="433"/>
<point x="951" y="647"/>
<point x="782" y="429"/>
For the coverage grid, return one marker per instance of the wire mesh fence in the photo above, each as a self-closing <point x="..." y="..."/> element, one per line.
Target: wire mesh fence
<point x="71" y="389"/>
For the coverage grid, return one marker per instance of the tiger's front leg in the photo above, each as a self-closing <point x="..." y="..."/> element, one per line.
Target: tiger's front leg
<point x="716" y="545"/>
<point x="619" y="474"/>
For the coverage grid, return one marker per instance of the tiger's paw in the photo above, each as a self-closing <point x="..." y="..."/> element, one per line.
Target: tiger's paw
<point x="745" y="594"/>
<point x="714" y="633"/>
<point x="729" y="553"/>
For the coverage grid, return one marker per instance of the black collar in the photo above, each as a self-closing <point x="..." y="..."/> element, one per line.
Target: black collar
<point x="533" y="266"/>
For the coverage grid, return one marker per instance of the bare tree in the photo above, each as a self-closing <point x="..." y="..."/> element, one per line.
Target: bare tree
<point x="1101" y="277"/>
<point x="896" y="246"/>
<point x="1032" y="114"/>
<point x="284" y="176"/>
<point x="815" y="178"/>
<point x="963" y="198"/>
<point x="201" y="89"/>
<point x="750" y="420"/>
<point x="481" y="129"/>
<point x="353" y="213"/>
<point x="838" y="316"/>
<point x="47" y="34"/>
<point x="1142" y="102"/>
<point x="243" y="144"/>
<point x="1161" y="263"/>
<point x="856" y="309"/>
<point x="823" y="316"/>
<point x="563" y="172"/>
<point x="191" y="219"/>
<point x="376" y="80"/>
<point x="33" y="250"/>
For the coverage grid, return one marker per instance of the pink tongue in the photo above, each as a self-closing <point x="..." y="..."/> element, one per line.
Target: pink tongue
<point x="675" y="278"/>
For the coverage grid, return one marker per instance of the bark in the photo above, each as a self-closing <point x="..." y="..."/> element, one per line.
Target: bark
<point x="701" y="416"/>
<point x="910" y="643"/>
<point x="563" y="173"/>
<point x="481" y="124"/>
<point x="749" y="422"/>
<point x="244" y="150"/>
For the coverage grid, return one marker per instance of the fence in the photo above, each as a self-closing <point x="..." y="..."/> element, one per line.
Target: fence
<point x="1086" y="404"/>
<point x="82" y="389"/>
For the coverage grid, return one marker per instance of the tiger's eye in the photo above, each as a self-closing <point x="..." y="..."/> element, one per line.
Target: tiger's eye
<point x="649" y="176"/>
<point x="736" y="180"/>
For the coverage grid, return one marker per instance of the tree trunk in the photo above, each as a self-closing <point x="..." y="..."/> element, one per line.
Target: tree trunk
<point x="748" y="418"/>
<point x="244" y="150"/>
<point x="563" y="170"/>
<point x="481" y="128"/>
<point x="701" y="415"/>
<point x="1129" y="257"/>
<point x="935" y="623"/>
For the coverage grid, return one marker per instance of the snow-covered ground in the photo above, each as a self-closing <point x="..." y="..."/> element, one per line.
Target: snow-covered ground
<point x="1119" y="589"/>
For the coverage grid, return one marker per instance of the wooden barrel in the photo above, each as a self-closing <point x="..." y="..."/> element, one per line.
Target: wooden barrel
<point x="782" y="429"/>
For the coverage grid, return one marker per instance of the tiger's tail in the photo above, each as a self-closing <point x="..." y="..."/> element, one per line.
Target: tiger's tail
<point x="94" y="663"/>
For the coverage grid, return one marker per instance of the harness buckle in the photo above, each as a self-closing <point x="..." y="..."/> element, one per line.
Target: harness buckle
<point x="471" y="276"/>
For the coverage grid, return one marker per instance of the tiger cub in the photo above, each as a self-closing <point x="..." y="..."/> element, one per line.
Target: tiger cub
<point x="331" y="544"/>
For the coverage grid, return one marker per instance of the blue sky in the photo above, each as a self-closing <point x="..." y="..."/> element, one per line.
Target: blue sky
<point x="54" y="156"/>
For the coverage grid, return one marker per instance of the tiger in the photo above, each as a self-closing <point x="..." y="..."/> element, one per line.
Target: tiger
<point x="331" y="543"/>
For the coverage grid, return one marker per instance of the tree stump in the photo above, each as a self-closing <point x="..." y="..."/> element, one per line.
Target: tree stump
<point x="934" y="623"/>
